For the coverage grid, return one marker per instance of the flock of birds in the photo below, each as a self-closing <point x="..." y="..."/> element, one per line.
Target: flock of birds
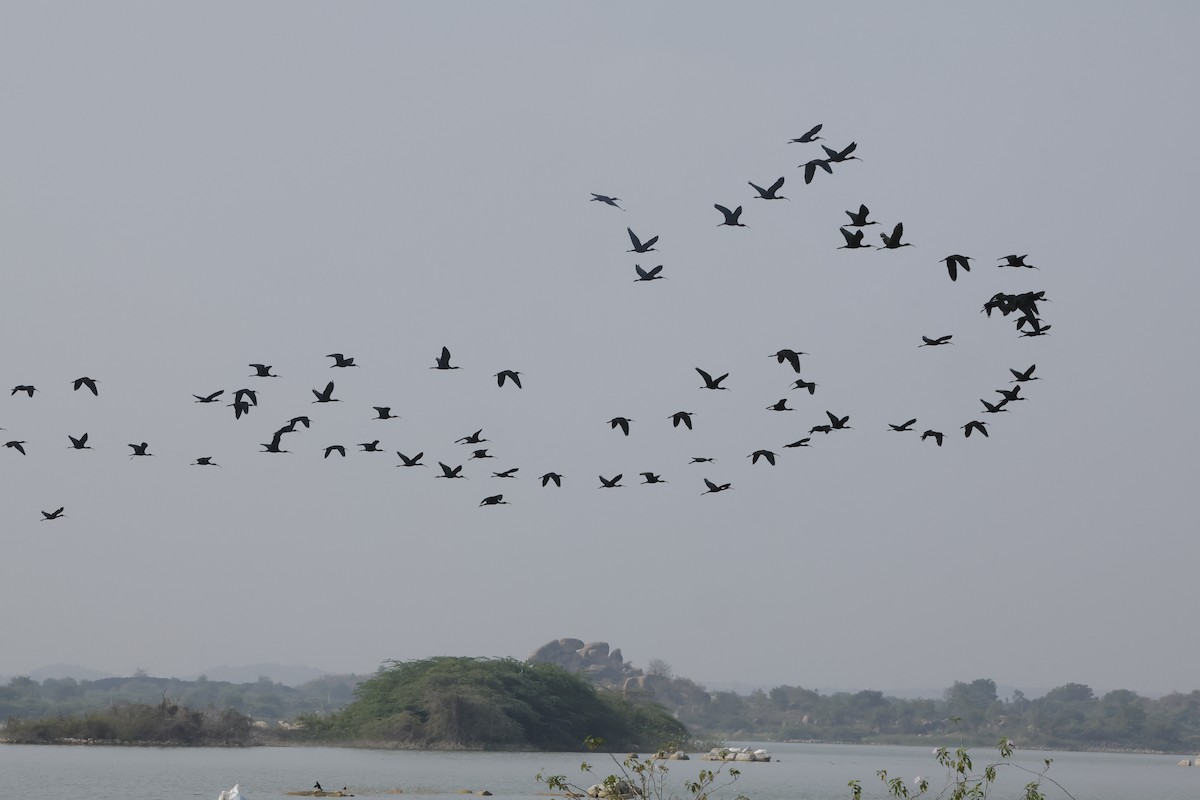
<point x="1025" y="307"/>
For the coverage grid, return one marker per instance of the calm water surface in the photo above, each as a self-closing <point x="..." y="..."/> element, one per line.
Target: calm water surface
<point x="800" y="772"/>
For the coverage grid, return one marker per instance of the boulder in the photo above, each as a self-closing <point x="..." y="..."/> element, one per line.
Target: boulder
<point x="594" y="650"/>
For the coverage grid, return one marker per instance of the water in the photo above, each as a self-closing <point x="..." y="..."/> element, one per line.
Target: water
<point x="800" y="772"/>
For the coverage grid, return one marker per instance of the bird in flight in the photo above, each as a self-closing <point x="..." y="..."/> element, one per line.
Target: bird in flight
<point x="810" y="168"/>
<point x="56" y="514"/>
<point x="799" y="443"/>
<point x="956" y="262"/>
<point x="1011" y="395"/>
<point x="803" y="384"/>
<point x="648" y="275"/>
<point x="638" y="246"/>
<point x="90" y="383"/>
<point x="508" y="473"/>
<point x="242" y="394"/>
<point x="838" y="423"/>
<point x="293" y="422"/>
<point x="415" y="461"/>
<point x="790" y="356"/>
<point x="443" y="361"/>
<point x="974" y="425"/>
<point x="508" y="374"/>
<point x="938" y="341"/>
<point x="907" y="426"/>
<point x="140" y="450"/>
<point x="995" y="408"/>
<point x="613" y="483"/>
<point x="770" y="193"/>
<point x="893" y="242"/>
<point x="494" y="500"/>
<point x="370" y="447"/>
<point x="1022" y="377"/>
<point x="839" y="156"/>
<point x="474" y="438"/>
<point x="810" y="136"/>
<point x="205" y="461"/>
<point x="714" y="488"/>
<point x="701" y="460"/>
<point x="757" y="454"/>
<point x="859" y="219"/>
<point x="854" y="240"/>
<point x="80" y="443"/>
<point x="340" y="360"/>
<point x="1015" y="261"/>
<point x="620" y="422"/>
<point x="325" y="396"/>
<point x="603" y="198"/>
<point x="481" y="453"/>
<point x="384" y="412"/>
<point x="335" y="448"/>
<point x="239" y="407"/>
<point x="937" y="436"/>
<point x="15" y="445"/>
<point x="780" y="406"/>
<point x="449" y="472"/>
<point x="552" y="476"/>
<point x="273" y="446"/>
<point x="684" y="417"/>
<point x="29" y="390"/>
<point x="209" y="398"/>
<point x="651" y="477"/>
<point x="262" y="371"/>
<point x="710" y="382"/>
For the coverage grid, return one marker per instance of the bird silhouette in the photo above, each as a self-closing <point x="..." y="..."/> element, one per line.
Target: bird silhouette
<point x="481" y="453"/>
<point x="648" y="275"/>
<point x="937" y="436"/>
<point x="712" y="383"/>
<point x="239" y="407"/>
<point x="803" y="384"/>
<point x="56" y="514"/>
<point x="205" y="461"/>
<point x="684" y="417"/>
<point x="1011" y="395"/>
<point x="893" y="242"/>
<point x="1015" y="261"/>
<point x="508" y="473"/>
<point x="29" y="390"/>
<point x="325" y="396"/>
<point x="1023" y="377"/>
<point x="770" y="193"/>
<point x="613" y="483"/>
<point x="274" y="445"/>
<point x="494" y="500"/>
<point x="603" y="198"/>
<point x="799" y="442"/>
<point x="80" y="443"/>
<point x="780" y="406"/>
<point x="651" y="477"/>
<point x="317" y="786"/>
<point x="335" y="448"/>
<point x="209" y="398"/>
<point x="811" y="167"/>
<point x="620" y="422"/>
<point x="370" y="447"/>
<point x="638" y="246"/>
<point x="974" y="425"/>
<point x="810" y="136"/>
<point x="757" y="454"/>
<point x="451" y="472"/>
<point x="293" y="422"/>
<point x="474" y="438"/>
<point x="262" y="371"/>
<point x="1043" y="330"/>
<point x="90" y="383"/>
<point x="838" y="423"/>
<point x="940" y="340"/>
<point x="702" y="460"/>
<point x="956" y="262"/>
<point x="16" y="445"/>
<point x="714" y="488"/>
<point x="340" y="360"/>
<point x="140" y="450"/>
<point x="244" y="394"/>
<point x="443" y="361"/>
<point x="840" y="156"/>
<point x="907" y="426"/>
<point x="508" y="374"/>
<point x="790" y="356"/>
<point x="819" y="429"/>
<point x="552" y="476"/>
<point x="994" y="408"/>
<point x="858" y="219"/>
<point x="415" y="461"/>
<point x="384" y="412"/>
<point x="854" y="240"/>
<point x="731" y="217"/>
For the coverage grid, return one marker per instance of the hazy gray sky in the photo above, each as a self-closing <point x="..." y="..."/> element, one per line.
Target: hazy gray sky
<point x="188" y="188"/>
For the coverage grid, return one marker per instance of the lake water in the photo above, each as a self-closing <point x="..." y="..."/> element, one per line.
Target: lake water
<point x="800" y="772"/>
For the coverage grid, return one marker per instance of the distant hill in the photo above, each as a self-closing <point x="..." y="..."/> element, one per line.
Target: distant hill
<point x="60" y="671"/>
<point x="287" y="674"/>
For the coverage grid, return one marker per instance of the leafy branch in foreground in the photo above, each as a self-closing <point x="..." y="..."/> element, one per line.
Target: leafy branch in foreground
<point x="644" y="778"/>
<point x="962" y="781"/>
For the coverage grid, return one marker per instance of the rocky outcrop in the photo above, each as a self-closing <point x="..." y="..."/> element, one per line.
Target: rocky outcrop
<point x="595" y="660"/>
<point x="736" y="754"/>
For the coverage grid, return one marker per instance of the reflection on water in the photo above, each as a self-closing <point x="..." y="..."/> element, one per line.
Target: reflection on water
<point x="799" y="772"/>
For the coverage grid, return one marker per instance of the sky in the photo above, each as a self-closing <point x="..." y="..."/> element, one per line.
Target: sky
<point x="189" y="188"/>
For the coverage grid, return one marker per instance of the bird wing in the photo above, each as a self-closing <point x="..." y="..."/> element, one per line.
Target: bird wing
<point x="651" y="242"/>
<point x="761" y="191"/>
<point x="637" y="243"/>
<point x="850" y="148"/>
<point x="776" y="186"/>
<point x="707" y="378"/>
<point x="712" y="486"/>
<point x="851" y="238"/>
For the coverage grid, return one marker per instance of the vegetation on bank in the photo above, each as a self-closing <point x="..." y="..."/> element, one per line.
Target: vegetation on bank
<point x="495" y="704"/>
<point x="136" y="723"/>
